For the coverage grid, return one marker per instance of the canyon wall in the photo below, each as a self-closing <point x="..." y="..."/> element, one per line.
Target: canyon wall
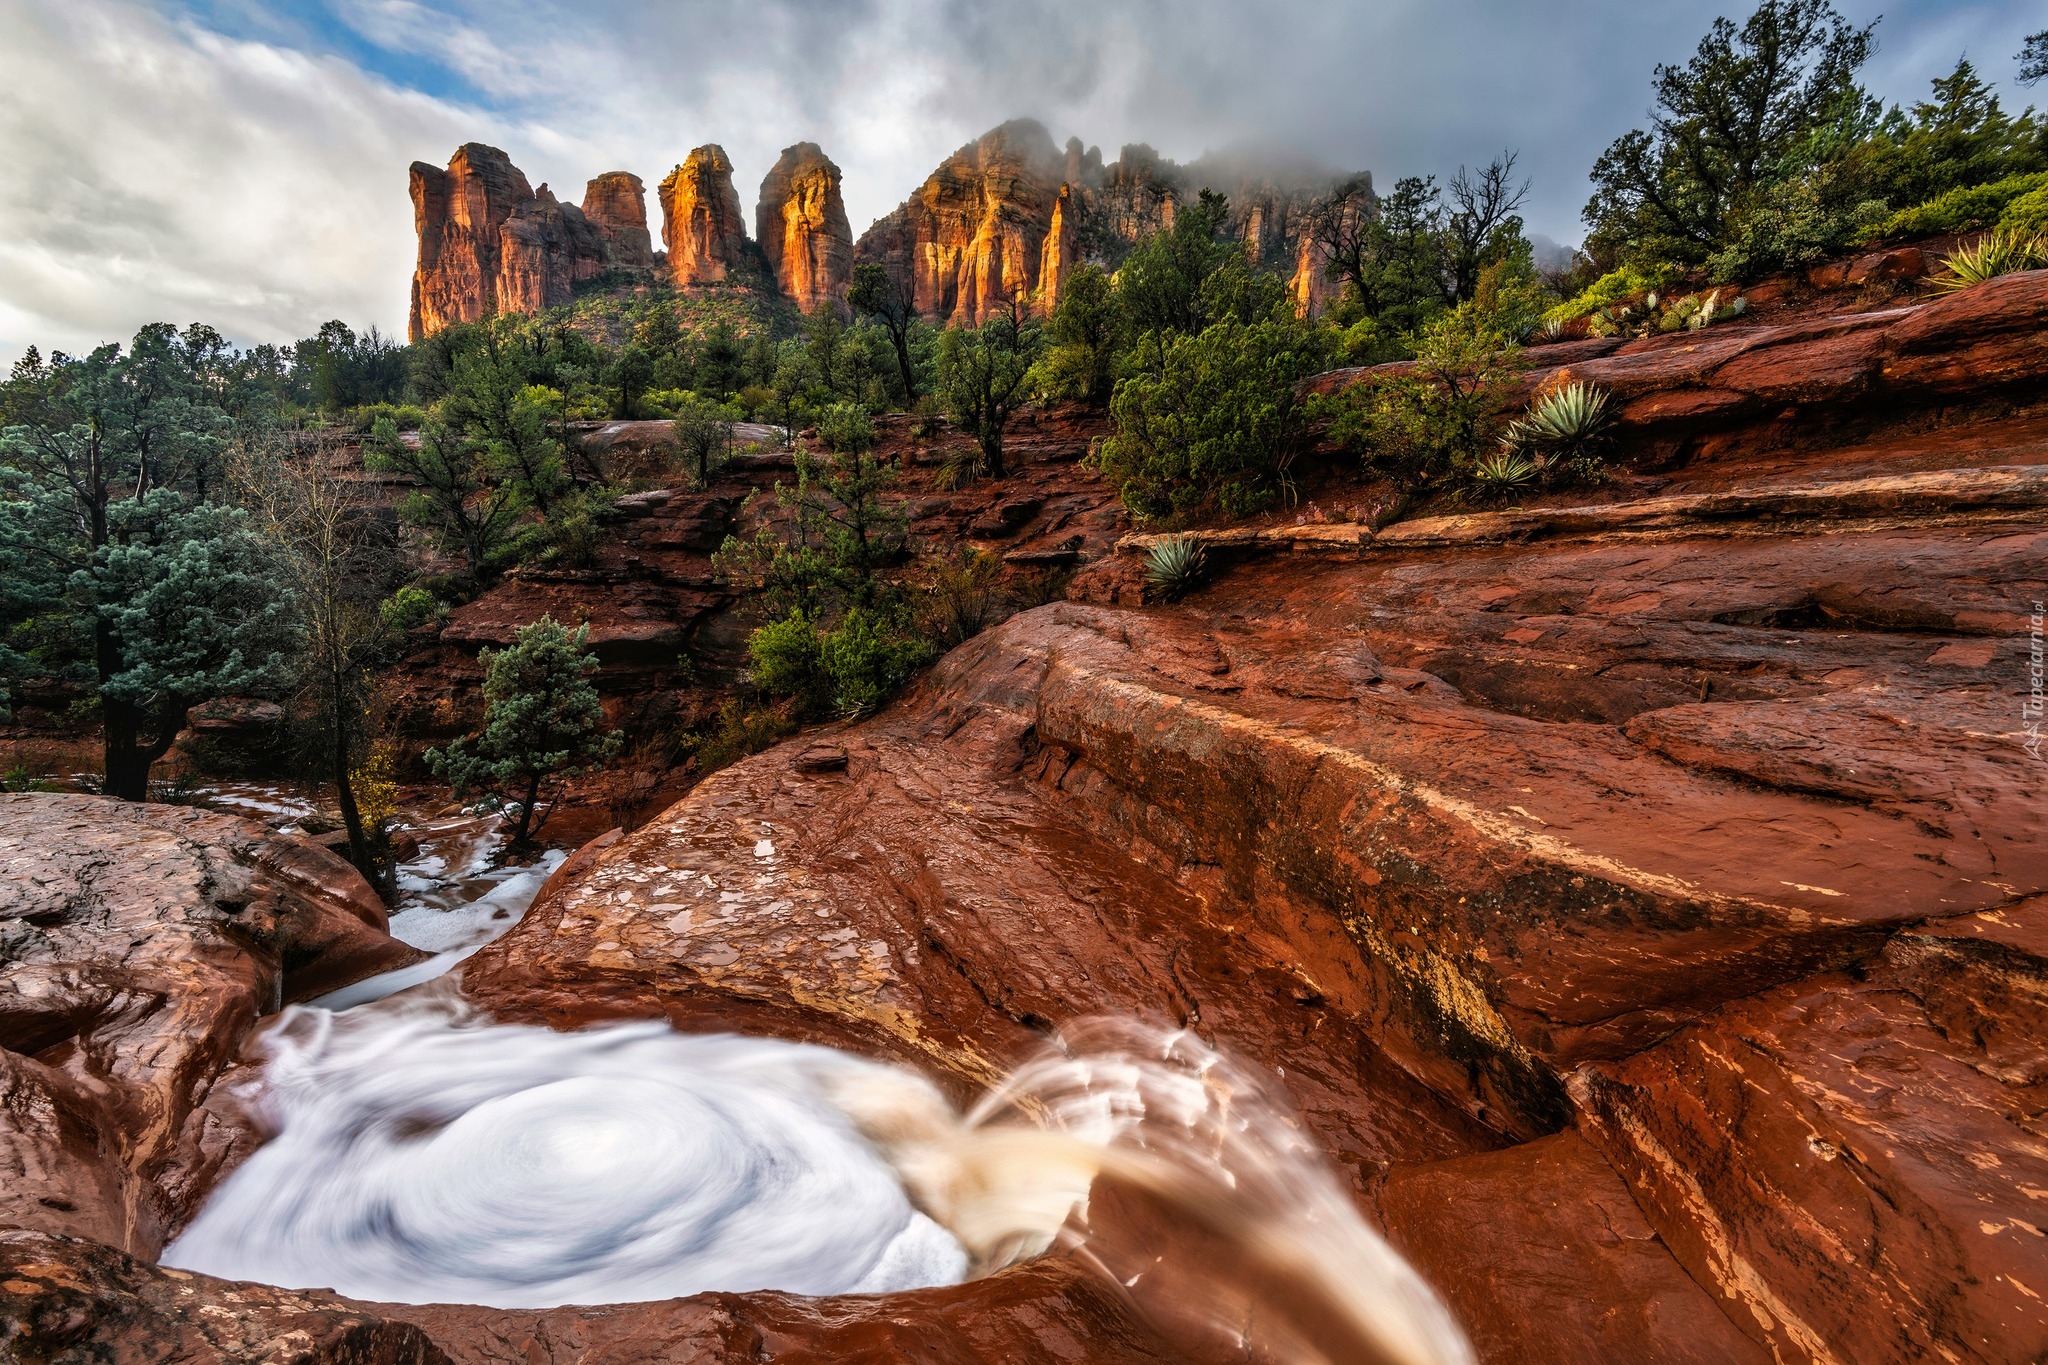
<point x="1010" y="214"/>
<point x="801" y="224"/>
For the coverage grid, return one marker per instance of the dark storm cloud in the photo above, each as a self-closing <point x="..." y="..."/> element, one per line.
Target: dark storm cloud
<point x="245" y="162"/>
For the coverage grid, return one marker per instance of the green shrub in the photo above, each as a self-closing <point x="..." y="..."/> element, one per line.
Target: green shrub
<point x="1215" y="422"/>
<point x="1793" y="225"/>
<point x="2027" y="215"/>
<point x="1614" y="287"/>
<point x="1425" y="428"/>
<point x="1963" y="209"/>
<point x="409" y="607"/>
<point x="787" y="660"/>
<point x="403" y="416"/>
<point x="867" y="657"/>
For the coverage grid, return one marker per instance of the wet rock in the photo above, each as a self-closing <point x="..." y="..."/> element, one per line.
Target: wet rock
<point x="1683" y="395"/>
<point x="1544" y="1256"/>
<point x="1854" y="1182"/>
<point x="63" y="1299"/>
<point x="142" y="945"/>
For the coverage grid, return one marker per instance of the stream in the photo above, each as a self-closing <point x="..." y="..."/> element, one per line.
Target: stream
<point x="422" y="1152"/>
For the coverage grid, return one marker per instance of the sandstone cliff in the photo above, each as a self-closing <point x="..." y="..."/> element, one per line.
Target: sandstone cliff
<point x="801" y="224"/>
<point x="616" y="205"/>
<point x="702" y="224"/>
<point x="489" y="243"/>
<point x="1010" y="215"/>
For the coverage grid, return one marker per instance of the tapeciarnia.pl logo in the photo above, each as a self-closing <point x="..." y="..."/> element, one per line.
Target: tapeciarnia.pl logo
<point x="2037" y="685"/>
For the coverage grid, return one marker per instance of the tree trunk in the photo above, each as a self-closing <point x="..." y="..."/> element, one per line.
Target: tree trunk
<point x="126" y="758"/>
<point x="526" y="810"/>
<point x="359" y="851"/>
<point x="127" y="773"/>
<point x="901" y="336"/>
<point x="992" y="450"/>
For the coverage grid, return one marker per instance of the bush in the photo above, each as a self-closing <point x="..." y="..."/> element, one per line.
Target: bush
<point x="851" y="669"/>
<point x="963" y="595"/>
<point x="1964" y="209"/>
<point x="1793" y="225"/>
<point x="1425" y="429"/>
<point x="409" y="607"/>
<point x="1614" y="287"/>
<point x="402" y="416"/>
<point x="867" y="658"/>
<point x="1215" y="422"/>
<point x="2027" y="215"/>
<point x="787" y="660"/>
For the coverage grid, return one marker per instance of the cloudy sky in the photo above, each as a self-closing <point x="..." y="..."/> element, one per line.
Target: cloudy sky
<point x="244" y="163"/>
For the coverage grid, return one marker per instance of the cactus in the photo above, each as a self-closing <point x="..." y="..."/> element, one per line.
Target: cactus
<point x="1174" y="565"/>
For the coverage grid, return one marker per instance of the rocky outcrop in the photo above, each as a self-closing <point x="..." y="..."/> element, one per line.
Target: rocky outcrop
<point x="1010" y="214"/>
<point x="616" y="205"/>
<point x="969" y="239"/>
<point x="1691" y="398"/>
<point x="489" y="243"/>
<point x="141" y="944"/>
<point x="701" y="222"/>
<point x="801" y="225"/>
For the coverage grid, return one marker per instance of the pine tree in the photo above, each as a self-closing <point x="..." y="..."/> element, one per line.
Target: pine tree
<point x="543" y="724"/>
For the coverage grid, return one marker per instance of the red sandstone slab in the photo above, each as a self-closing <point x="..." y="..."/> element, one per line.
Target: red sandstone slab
<point x="1543" y="1256"/>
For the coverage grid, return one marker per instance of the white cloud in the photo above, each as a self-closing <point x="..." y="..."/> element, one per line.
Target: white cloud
<point x="154" y="170"/>
<point x="151" y="168"/>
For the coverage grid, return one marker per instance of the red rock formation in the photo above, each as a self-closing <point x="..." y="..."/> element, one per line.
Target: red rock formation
<point x="970" y="238"/>
<point x="701" y="222"/>
<point x="1009" y="215"/>
<point x="490" y="244"/>
<point x="142" y="944"/>
<point x="801" y="225"/>
<point x="616" y="205"/>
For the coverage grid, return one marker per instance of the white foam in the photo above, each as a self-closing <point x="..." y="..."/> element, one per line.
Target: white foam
<point x="422" y="1156"/>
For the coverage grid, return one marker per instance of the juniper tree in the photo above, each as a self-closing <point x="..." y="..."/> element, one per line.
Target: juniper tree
<point x="543" y="724"/>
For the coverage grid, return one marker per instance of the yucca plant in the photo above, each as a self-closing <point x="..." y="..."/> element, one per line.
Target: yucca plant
<point x="1568" y="420"/>
<point x="1175" y="565"/>
<point x="1503" y="472"/>
<point x="1995" y="253"/>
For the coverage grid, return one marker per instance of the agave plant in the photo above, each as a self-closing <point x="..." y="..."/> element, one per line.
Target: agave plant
<point x="1503" y="472"/>
<point x="1175" y="564"/>
<point x="1995" y="253"/>
<point x="1568" y="420"/>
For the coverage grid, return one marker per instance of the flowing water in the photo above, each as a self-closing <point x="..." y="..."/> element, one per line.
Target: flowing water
<point x="424" y="1153"/>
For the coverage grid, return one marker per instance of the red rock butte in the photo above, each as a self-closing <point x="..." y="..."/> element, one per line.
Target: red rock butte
<point x="1009" y="215"/>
